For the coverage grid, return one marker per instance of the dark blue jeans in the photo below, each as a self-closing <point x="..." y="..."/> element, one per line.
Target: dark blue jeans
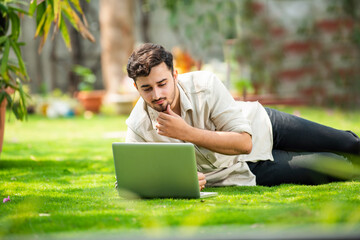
<point x="304" y="152"/>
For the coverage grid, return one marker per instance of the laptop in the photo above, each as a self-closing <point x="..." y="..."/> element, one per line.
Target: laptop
<point x="157" y="170"/>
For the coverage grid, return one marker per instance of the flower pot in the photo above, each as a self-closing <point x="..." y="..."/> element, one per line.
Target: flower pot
<point x="2" y="116"/>
<point x="2" y="122"/>
<point x="91" y="100"/>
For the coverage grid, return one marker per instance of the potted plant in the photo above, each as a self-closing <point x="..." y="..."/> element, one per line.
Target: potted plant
<point x="13" y="71"/>
<point x="90" y="99"/>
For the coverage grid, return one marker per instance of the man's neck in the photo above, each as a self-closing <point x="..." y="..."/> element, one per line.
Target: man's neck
<point x="177" y="107"/>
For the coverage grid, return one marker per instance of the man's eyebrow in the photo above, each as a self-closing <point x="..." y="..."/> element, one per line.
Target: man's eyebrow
<point x="148" y="85"/>
<point x="161" y="80"/>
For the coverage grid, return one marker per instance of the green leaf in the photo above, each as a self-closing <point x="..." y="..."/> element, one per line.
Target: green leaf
<point x="12" y="86"/>
<point x="17" y="2"/>
<point x="19" y="57"/>
<point x="41" y="8"/>
<point x="22" y="102"/>
<point x="77" y="5"/>
<point x="60" y="16"/>
<point x="68" y="12"/>
<point x="15" y="25"/>
<point x="40" y="26"/>
<point x="3" y="39"/>
<point x="3" y="8"/>
<point x="4" y="62"/>
<point x="8" y="98"/>
<point x="76" y="21"/>
<point x="2" y="95"/>
<point x="65" y="34"/>
<point x="57" y="12"/>
<point x="32" y="7"/>
<point x="15" y="111"/>
<point x="46" y="26"/>
<point x="14" y="9"/>
<point x="13" y="67"/>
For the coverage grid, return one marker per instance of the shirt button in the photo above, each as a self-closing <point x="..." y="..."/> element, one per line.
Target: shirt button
<point x="208" y="156"/>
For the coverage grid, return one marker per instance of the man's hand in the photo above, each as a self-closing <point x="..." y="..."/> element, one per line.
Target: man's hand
<point x="230" y="143"/>
<point x="202" y="180"/>
<point x="171" y="125"/>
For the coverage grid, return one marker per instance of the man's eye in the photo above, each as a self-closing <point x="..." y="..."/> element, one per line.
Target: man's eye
<point x="147" y="89"/>
<point x="163" y="84"/>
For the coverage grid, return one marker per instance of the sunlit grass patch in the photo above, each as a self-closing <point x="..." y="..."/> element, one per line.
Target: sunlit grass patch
<point x="59" y="174"/>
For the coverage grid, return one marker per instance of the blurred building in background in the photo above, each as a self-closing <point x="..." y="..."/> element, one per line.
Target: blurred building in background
<point x="305" y="51"/>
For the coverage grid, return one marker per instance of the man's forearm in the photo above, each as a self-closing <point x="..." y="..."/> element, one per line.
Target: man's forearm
<point x="230" y="143"/>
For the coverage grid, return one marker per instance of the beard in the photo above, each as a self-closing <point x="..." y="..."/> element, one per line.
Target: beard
<point x="162" y="107"/>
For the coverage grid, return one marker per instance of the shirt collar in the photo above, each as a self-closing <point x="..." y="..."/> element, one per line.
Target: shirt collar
<point x="153" y="115"/>
<point x="184" y="101"/>
<point x="185" y="105"/>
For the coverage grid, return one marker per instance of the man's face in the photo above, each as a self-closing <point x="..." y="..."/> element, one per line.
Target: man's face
<point x="158" y="89"/>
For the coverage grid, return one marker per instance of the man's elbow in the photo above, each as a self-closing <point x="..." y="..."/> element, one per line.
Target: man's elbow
<point x="245" y="147"/>
<point x="248" y="147"/>
<point x="249" y="144"/>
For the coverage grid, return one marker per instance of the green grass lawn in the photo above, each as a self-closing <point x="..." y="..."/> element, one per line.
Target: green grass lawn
<point x="59" y="174"/>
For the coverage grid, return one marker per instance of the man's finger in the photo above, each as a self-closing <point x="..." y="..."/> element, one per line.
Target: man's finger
<point x="161" y="125"/>
<point x="169" y="111"/>
<point x="160" y="132"/>
<point x="161" y="120"/>
<point x="201" y="175"/>
<point x="164" y="116"/>
<point x="202" y="182"/>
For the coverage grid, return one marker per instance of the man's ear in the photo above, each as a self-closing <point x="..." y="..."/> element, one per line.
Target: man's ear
<point x="175" y="73"/>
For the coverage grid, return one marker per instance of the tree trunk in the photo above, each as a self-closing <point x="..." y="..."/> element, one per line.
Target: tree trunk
<point x="77" y="59"/>
<point x="53" y="64"/>
<point x="117" y="42"/>
<point x="145" y="21"/>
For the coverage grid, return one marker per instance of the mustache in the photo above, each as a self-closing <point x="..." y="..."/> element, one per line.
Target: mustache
<point x="154" y="101"/>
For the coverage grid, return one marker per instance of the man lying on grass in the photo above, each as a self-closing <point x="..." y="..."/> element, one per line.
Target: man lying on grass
<point x="236" y="143"/>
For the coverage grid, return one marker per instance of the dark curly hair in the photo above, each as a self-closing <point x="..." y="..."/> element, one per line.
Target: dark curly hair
<point x="147" y="56"/>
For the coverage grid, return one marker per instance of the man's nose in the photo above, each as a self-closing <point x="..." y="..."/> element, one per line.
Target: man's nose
<point x="156" y="93"/>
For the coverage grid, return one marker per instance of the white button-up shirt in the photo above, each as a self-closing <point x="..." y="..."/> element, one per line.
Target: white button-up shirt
<point x="207" y="104"/>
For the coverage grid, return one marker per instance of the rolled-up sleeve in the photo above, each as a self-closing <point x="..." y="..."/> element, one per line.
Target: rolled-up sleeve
<point x="224" y="112"/>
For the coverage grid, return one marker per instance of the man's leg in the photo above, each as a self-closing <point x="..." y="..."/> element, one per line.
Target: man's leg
<point x="301" y="168"/>
<point x="293" y="133"/>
